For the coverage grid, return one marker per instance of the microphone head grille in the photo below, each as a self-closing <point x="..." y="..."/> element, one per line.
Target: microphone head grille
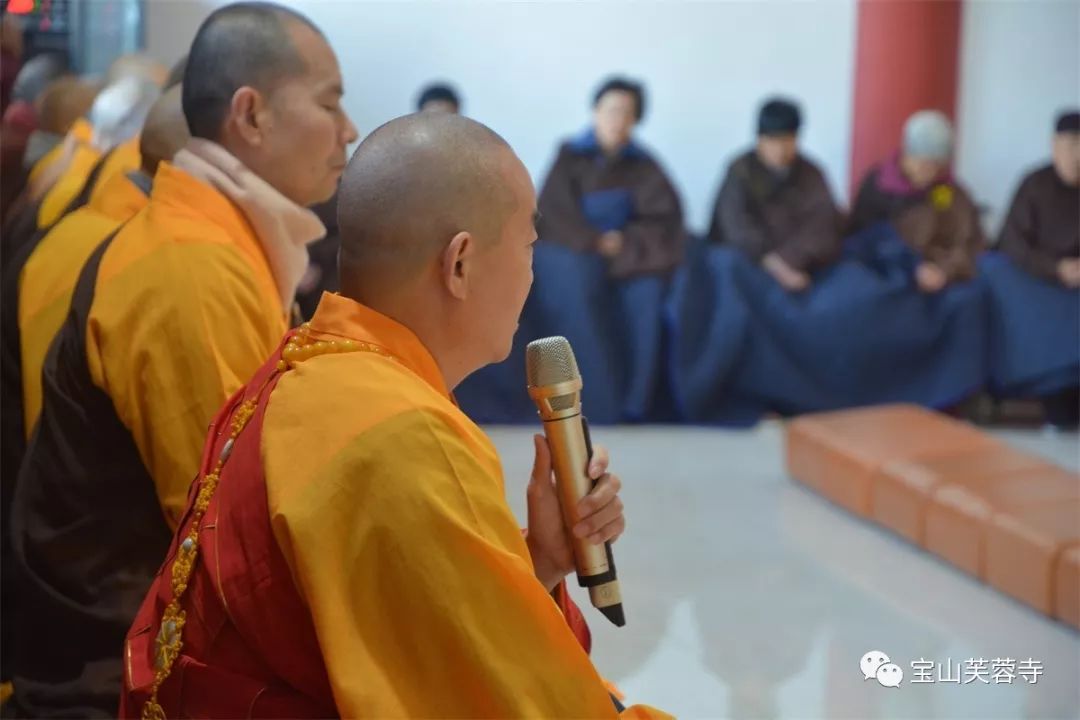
<point x="549" y="361"/>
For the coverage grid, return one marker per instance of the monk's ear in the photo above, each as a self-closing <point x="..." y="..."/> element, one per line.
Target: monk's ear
<point x="247" y="114"/>
<point x="457" y="264"/>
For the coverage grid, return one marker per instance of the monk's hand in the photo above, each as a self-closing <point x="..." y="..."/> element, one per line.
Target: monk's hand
<point x="600" y="515"/>
<point x="788" y="277"/>
<point x="930" y="277"/>
<point x="1068" y="271"/>
<point x="610" y="243"/>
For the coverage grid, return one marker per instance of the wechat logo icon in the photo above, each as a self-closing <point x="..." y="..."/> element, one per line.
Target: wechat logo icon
<point x="875" y="665"/>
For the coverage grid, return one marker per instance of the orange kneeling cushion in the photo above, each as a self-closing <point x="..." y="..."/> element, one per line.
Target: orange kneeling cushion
<point x="902" y="490"/>
<point x="1023" y="548"/>
<point x="839" y="453"/>
<point x="959" y="513"/>
<point x="1067" y="606"/>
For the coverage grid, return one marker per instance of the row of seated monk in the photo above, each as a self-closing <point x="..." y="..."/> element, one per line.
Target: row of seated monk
<point x="150" y="267"/>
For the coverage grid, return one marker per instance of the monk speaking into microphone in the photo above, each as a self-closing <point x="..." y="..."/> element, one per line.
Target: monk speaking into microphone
<point x="348" y="548"/>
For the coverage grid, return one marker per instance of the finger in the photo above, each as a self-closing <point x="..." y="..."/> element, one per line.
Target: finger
<point x="541" y="472"/>
<point x="607" y="488"/>
<point x="609" y="533"/>
<point x="600" y="519"/>
<point x="599" y="463"/>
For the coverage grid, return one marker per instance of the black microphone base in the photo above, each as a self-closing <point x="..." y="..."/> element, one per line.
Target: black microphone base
<point x="615" y="614"/>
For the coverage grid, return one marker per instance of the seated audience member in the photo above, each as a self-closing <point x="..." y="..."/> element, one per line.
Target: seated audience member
<point x="915" y="191"/>
<point x="606" y="194"/>
<point x="775" y="205"/>
<point x="439" y="97"/>
<point x="1042" y="231"/>
<point x="1041" y="236"/>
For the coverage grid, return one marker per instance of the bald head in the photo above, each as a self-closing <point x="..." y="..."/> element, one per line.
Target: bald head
<point x="411" y="186"/>
<point x="35" y="76"/>
<point x="246" y="44"/>
<point x="64" y="101"/>
<point x="138" y="66"/>
<point x="165" y="132"/>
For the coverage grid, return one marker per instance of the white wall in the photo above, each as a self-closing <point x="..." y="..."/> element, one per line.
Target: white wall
<point x="1020" y="65"/>
<point x="528" y="70"/>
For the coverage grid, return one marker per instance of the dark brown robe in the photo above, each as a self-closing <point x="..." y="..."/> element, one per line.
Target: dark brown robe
<point x="653" y="232"/>
<point x="940" y="223"/>
<point x="16" y="250"/>
<point x="759" y="212"/>
<point x="1043" y="225"/>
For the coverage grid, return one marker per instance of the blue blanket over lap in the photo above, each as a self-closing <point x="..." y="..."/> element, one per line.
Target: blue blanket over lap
<point x="1034" y="331"/>
<point x="729" y="345"/>
<point x="613" y="326"/>
<point x="741" y="346"/>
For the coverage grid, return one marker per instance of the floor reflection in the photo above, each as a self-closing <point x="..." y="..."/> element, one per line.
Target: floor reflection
<point x="748" y="596"/>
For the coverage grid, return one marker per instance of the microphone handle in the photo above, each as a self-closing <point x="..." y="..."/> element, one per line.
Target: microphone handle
<point x="571" y="450"/>
<point x="604" y="592"/>
<point x="601" y="578"/>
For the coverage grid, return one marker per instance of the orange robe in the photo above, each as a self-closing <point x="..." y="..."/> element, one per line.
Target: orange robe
<point x="81" y="131"/>
<point x="70" y="178"/>
<point x="168" y="318"/>
<point x="49" y="276"/>
<point x="386" y="512"/>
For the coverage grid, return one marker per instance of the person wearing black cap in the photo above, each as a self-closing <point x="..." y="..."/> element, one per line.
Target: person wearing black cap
<point x="775" y="205"/>
<point x="439" y="97"/>
<point x="1042" y="231"/>
<point x="1041" y="236"/>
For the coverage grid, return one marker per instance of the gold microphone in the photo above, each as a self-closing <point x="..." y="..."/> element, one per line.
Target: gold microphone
<point x="555" y="386"/>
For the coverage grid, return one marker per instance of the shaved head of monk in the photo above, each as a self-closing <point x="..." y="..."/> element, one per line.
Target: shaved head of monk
<point x="165" y="131"/>
<point x="262" y="81"/>
<point x="437" y="218"/>
<point x="64" y="101"/>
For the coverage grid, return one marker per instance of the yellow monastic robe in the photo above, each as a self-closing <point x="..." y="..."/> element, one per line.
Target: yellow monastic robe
<point x="123" y="159"/>
<point x="48" y="278"/>
<point x="70" y="181"/>
<point x="389" y="506"/>
<point x="185" y="309"/>
<point x="81" y="130"/>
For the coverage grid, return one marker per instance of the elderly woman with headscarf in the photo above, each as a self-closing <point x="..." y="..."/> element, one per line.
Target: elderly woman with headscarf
<point x="916" y="192"/>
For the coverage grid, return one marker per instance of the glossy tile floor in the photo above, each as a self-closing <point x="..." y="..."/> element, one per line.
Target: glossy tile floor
<point x="748" y="596"/>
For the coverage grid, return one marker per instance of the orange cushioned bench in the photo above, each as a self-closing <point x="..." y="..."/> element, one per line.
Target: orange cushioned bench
<point x="997" y="513"/>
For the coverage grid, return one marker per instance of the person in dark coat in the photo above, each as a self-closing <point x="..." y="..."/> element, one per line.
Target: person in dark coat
<point x="775" y="205"/>
<point x="1041" y="236"/>
<point x="915" y="191"/>
<point x="606" y="194"/>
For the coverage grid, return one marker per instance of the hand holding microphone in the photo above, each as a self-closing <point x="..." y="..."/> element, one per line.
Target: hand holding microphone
<point x="586" y="497"/>
<point x="600" y="517"/>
